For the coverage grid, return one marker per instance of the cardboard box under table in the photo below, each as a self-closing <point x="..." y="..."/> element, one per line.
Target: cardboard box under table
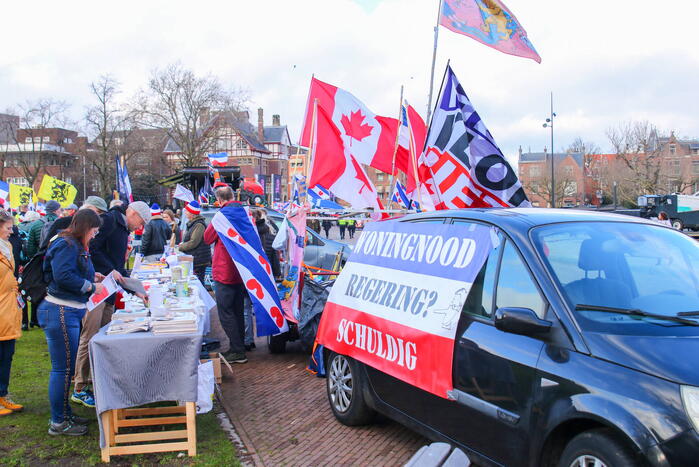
<point x="132" y="370"/>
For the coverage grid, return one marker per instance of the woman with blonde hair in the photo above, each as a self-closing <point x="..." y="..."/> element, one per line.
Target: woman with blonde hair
<point x="10" y="313"/>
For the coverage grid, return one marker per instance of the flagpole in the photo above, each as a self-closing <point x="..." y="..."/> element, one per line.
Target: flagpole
<point x="395" y="147"/>
<point x="311" y="148"/>
<point x="413" y="159"/>
<point x="434" y="60"/>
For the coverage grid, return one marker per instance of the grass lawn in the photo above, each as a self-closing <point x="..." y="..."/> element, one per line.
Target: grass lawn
<point x="24" y="439"/>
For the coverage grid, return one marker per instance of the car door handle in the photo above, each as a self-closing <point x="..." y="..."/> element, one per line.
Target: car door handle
<point x="484" y="407"/>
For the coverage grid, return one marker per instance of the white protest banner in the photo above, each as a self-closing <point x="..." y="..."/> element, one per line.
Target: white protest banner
<point x="397" y="302"/>
<point x="183" y="194"/>
<point x="110" y="287"/>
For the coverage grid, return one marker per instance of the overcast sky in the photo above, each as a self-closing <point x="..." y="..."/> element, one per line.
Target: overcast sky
<point x="606" y="62"/>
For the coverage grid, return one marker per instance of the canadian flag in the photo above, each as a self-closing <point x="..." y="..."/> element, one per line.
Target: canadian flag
<point x="368" y="138"/>
<point x="334" y="167"/>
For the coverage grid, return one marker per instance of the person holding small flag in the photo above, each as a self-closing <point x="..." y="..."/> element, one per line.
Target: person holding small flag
<point x="193" y="243"/>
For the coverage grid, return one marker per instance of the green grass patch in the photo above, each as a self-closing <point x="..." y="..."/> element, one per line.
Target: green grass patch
<point x="24" y="438"/>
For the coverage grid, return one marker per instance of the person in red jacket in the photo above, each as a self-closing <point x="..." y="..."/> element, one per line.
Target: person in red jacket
<point x="228" y="287"/>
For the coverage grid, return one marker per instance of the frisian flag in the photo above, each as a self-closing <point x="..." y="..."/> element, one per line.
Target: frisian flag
<point x="400" y="197"/>
<point x="462" y="166"/>
<point x="124" y="183"/>
<point x="321" y="198"/>
<point x="238" y="234"/>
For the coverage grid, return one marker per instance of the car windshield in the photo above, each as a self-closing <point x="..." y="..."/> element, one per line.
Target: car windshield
<point x="623" y="265"/>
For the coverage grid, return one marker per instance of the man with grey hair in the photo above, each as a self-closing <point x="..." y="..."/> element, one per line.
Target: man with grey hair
<point x="108" y="252"/>
<point x="229" y="288"/>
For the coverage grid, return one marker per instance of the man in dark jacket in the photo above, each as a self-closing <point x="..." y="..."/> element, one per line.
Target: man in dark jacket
<point x="229" y="287"/>
<point x="155" y="235"/>
<point x="108" y="252"/>
<point x="194" y="243"/>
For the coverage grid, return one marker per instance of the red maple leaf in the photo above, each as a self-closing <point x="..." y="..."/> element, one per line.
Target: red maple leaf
<point x="360" y="175"/>
<point x="354" y="126"/>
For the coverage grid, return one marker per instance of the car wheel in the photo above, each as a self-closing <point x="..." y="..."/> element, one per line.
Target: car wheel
<point x="277" y="344"/>
<point x="597" y="448"/>
<point x="677" y="224"/>
<point x="345" y="391"/>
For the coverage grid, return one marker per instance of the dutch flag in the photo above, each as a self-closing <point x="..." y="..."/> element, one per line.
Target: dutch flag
<point x="219" y="159"/>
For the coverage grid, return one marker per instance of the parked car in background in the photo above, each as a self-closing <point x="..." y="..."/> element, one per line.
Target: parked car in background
<point x="319" y="252"/>
<point x="577" y="346"/>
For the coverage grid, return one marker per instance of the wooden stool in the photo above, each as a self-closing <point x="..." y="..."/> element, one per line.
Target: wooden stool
<point x="113" y="420"/>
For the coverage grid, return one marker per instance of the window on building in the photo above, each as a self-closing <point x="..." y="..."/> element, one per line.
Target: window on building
<point x="28" y="139"/>
<point x="675" y="167"/>
<point x="535" y="171"/>
<point x="46" y="139"/>
<point x="241" y="144"/>
<point x="21" y="181"/>
<point x="695" y="151"/>
<point x="673" y="149"/>
<point x="379" y="177"/>
<point x="37" y="139"/>
<point x="568" y="170"/>
<point x="695" y="167"/>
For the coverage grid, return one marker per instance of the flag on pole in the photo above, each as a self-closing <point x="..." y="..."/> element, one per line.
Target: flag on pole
<point x="242" y="242"/>
<point x="124" y="182"/>
<point x="4" y="192"/>
<point x="365" y="136"/>
<point x="219" y="159"/>
<point x="54" y="189"/>
<point x="400" y="197"/>
<point x="203" y="196"/>
<point x="321" y="198"/>
<point x="21" y="196"/>
<point x="490" y="23"/>
<point x="207" y="186"/>
<point x="183" y="194"/>
<point x="465" y="167"/>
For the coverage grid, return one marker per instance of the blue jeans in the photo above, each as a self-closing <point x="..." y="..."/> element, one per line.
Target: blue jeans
<point x="61" y="324"/>
<point x="7" y="350"/>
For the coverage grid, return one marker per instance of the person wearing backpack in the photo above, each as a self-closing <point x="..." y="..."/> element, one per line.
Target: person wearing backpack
<point x="71" y="278"/>
<point x="53" y="211"/>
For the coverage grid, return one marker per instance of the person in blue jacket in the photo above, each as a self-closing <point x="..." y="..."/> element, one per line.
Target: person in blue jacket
<point x="71" y="278"/>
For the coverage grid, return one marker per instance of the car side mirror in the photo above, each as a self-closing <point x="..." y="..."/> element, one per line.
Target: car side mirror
<point x="520" y="321"/>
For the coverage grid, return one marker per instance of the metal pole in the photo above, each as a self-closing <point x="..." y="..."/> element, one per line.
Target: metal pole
<point x="434" y="60"/>
<point x="553" y="159"/>
<point x="395" y="148"/>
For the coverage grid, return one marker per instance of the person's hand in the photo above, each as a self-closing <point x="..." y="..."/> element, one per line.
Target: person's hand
<point x="117" y="276"/>
<point x="99" y="288"/>
<point x="143" y="297"/>
<point x="99" y="277"/>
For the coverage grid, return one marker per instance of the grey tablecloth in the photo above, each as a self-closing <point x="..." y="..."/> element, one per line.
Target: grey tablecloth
<point x="140" y="368"/>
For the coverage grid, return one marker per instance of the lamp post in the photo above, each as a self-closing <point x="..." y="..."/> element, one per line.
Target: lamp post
<point x="549" y="124"/>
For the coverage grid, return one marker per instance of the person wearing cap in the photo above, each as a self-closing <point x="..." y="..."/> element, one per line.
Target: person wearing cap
<point x="97" y="204"/>
<point x="69" y="211"/>
<point x="193" y="243"/>
<point x="53" y="212"/>
<point x="229" y="288"/>
<point x="108" y="252"/>
<point x="155" y="235"/>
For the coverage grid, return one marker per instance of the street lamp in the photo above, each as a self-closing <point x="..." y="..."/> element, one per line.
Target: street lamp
<point x="549" y="124"/>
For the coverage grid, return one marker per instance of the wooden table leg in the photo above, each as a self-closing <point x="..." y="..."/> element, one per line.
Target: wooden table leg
<point x="108" y="433"/>
<point x="191" y="411"/>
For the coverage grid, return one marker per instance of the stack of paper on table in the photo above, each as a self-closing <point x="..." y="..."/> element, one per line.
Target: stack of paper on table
<point x="127" y="315"/>
<point x="178" y="323"/>
<point x="119" y="326"/>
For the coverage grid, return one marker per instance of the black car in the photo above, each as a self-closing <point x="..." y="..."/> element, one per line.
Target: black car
<point x="577" y="346"/>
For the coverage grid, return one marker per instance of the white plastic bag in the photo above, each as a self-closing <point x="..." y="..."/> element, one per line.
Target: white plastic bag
<point x="279" y="242"/>
<point x="205" y="387"/>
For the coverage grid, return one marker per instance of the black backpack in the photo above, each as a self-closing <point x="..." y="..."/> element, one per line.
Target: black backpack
<point x="32" y="283"/>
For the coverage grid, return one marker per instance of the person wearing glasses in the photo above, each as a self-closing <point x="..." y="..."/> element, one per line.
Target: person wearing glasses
<point x="72" y="279"/>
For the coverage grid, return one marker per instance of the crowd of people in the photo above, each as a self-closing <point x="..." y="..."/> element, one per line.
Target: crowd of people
<point x="65" y="253"/>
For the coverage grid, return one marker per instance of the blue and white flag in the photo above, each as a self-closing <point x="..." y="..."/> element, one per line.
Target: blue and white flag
<point x="183" y="194"/>
<point x="242" y="242"/>
<point x="400" y="197"/>
<point x="321" y="198"/>
<point x="203" y="197"/>
<point x="123" y="180"/>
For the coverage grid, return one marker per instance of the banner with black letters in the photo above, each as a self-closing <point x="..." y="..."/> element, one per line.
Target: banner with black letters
<point x="397" y="302"/>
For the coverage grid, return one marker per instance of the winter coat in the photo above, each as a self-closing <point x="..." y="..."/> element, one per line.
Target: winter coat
<point x="267" y="239"/>
<point x="194" y="243"/>
<point x="10" y="313"/>
<point x="68" y="270"/>
<point x="35" y="233"/>
<point x="222" y="268"/>
<point x="155" y="236"/>
<point x="108" y="248"/>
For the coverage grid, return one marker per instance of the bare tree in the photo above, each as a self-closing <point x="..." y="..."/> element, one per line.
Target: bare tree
<point x="34" y="154"/>
<point x="588" y="149"/>
<point x="111" y="126"/>
<point x="9" y="124"/>
<point x="566" y="186"/>
<point x="179" y="101"/>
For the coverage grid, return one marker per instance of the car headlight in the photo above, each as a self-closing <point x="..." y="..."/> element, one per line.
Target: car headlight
<point x="690" y="399"/>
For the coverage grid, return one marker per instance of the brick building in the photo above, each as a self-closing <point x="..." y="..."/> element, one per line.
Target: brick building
<point x="535" y="175"/>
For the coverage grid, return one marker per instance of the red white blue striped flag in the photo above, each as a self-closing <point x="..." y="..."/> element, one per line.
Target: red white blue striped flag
<point x="242" y="242"/>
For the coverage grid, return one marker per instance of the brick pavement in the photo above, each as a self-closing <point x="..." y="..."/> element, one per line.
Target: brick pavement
<point x="281" y="412"/>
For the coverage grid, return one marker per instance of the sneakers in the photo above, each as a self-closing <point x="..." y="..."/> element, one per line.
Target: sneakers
<point x="84" y="397"/>
<point x="233" y="357"/>
<point x="4" y="412"/>
<point x="77" y="420"/>
<point x="68" y="428"/>
<point x="6" y="403"/>
<point x="249" y="347"/>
